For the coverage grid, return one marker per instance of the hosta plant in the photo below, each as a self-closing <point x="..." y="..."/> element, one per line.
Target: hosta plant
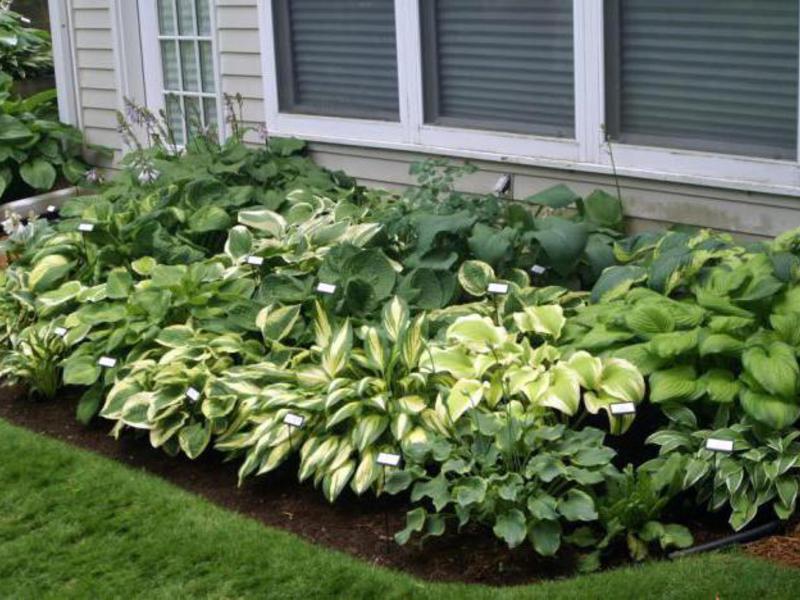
<point x="25" y="51"/>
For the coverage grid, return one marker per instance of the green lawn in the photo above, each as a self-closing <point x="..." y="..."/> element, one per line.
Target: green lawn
<point x="76" y="525"/>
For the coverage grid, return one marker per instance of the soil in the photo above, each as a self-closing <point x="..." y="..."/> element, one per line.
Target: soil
<point x="361" y="527"/>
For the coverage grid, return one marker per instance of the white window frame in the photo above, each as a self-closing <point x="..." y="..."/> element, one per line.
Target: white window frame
<point x="588" y="151"/>
<point x="153" y="65"/>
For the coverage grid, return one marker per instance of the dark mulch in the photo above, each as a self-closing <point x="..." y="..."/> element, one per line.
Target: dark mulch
<point x="783" y="549"/>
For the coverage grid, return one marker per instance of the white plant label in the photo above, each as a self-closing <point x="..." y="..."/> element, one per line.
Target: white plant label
<point x="107" y="361"/>
<point x="52" y="208"/>
<point x="387" y="459"/>
<point x="256" y="261"/>
<point x="538" y="270"/>
<point x="623" y="408"/>
<point x="60" y="331"/>
<point x="293" y="420"/>
<point x="498" y="288"/>
<point x="718" y="445"/>
<point x="86" y="227"/>
<point x="326" y="288"/>
<point x="193" y="394"/>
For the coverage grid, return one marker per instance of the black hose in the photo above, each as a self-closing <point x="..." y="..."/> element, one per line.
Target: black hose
<point x="736" y="538"/>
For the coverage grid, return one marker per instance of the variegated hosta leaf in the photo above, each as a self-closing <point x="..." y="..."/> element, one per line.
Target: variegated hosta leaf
<point x="588" y="368"/>
<point x="343" y="413"/>
<point x="412" y="343"/>
<point x="475" y="277"/>
<point x="564" y="392"/>
<point x="367" y="472"/>
<point x="401" y="425"/>
<point x="454" y="360"/>
<point x="617" y="424"/>
<point x="335" y="355"/>
<point x="395" y="318"/>
<point x="367" y="430"/>
<point x="264" y="220"/>
<point x="118" y="396"/>
<point x="375" y="349"/>
<point x="622" y="380"/>
<point x="176" y="336"/>
<point x="359" y="235"/>
<point x="276" y="323"/>
<point x="318" y="457"/>
<point x="194" y="439"/>
<point x="476" y="331"/>
<point x="334" y="483"/>
<point x="239" y="242"/>
<point x="412" y="405"/>
<point x="545" y="320"/>
<point x="464" y="395"/>
<point x="276" y="456"/>
<point x="134" y="412"/>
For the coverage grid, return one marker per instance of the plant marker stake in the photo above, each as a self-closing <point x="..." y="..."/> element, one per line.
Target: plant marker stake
<point x="387" y="459"/>
<point x="192" y="394"/>
<point x="497" y="288"/>
<point x="326" y="288"/>
<point x="538" y="270"/>
<point x="60" y="331"/>
<point x="292" y="421"/>
<point x="622" y="408"/>
<point x="256" y="261"/>
<point x="107" y="361"/>
<point x="85" y="227"/>
<point x="718" y="445"/>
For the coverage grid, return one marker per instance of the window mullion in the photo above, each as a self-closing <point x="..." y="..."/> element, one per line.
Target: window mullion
<point x="589" y="80"/>
<point x="409" y="67"/>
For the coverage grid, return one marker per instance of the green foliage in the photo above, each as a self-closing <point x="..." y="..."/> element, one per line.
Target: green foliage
<point x="25" y="52"/>
<point x="35" y="149"/>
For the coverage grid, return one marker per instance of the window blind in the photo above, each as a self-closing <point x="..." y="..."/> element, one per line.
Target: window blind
<point x="337" y="57"/>
<point x="499" y="64"/>
<point x="715" y="75"/>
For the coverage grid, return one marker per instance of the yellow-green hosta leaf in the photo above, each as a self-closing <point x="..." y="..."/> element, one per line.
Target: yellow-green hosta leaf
<point x="276" y="456"/>
<point x="678" y="383"/>
<point x="453" y="360"/>
<point x="545" y="320"/>
<point x="412" y="405"/>
<point x="476" y="330"/>
<point x="342" y="414"/>
<point x="622" y="380"/>
<point x="649" y="319"/>
<point x="774" y="368"/>
<point x="175" y="336"/>
<point x="318" y="457"/>
<point x="720" y="343"/>
<point x="334" y="357"/>
<point x="367" y="430"/>
<point x="264" y="220"/>
<point x="401" y="425"/>
<point x="418" y="435"/>
<point x="721" y="385"/>
<point x="144" y="266"/>
<point x="671" y="345"/>
<point x="322" y="325"/>
<point x="588" y="368"/>
<point x="773" y="411"/>
<point x="374" y="348"/>
<point x="48" y="272"/>
<point x="334" y="482"/>
<point x="412" y="342"/>
<point x="239" y="242"/>
<point x="366" y="473"/>
<point x="65" y="293"/>
<point x="564" y="392"/>
<point x="465" y="394"/>
<point x="475" y="277"/>
<point x="618" y="424"/>
<point x="276" y="323"/>
<point x="395" y="318"/>
<point x="134" y="412"/>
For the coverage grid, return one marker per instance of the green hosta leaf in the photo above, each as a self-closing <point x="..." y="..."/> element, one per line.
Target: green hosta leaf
<point x="239" y="242"/>
<point x="577" y="505"/>
<point x="721" y="385"/>
<point x="395" y="318"/>
<point x="542" y="507"/>
<point x="603" y="209"/>
<point x="649" y="319"/>
<point x="264" y="220"/>
<point x="787" y="490"/>
<point x="616" y="281"/>
<point x="81" y="370"/>
<point x="678" y="383"/>
<point x="671" y="345"/>
<point x="544" y="320"/>
<point x="622" y="380"/>
<point x="465" y="394"/>
<point x="476" y="330"/>
<point x="208" y="218"/>
<point x="276" y="323"/>
<point x="546" y="537"/>
<point x="564" y="393"/>
<point x="368" y="429"/>
<point x="774" y="368"/>
<point x="511" y="527"/>
<point x="437" y="489"/>
<point x="38" y="173"/>
<point x="119" y="284"/>
<point x="13" y="130"/>
<point x="469" y="490"/>
<point x="372" y="267"/>
<point x="558" y="196"/>
<point x="48" y="272"/>
<point x="770" y="410"/>
<point x="475" y="277"/>
<point x="415" y="521"/>
<point x="721" y="343"/>
<point x="588" y="368"/>
<point x="175" y="336"/>
<point x="194" y="439"/>
<point x="491" y="245"/>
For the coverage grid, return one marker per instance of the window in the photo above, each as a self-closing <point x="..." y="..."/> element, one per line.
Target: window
<point x="187" y="60"/>
<point x="337" y="57"/>
<point x="505" y="65"/>
<point x="708" y="75"/>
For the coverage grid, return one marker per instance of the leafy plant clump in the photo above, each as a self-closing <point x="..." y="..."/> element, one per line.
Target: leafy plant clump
<point x="25" y="52"/>
<point x="244" y="299"/>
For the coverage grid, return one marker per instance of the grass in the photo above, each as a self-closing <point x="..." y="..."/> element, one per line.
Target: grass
<point x="77" y="525"/>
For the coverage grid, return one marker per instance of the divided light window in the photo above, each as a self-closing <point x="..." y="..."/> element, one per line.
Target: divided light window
<point x="337" y="57"/>
<point x="713" y="75"/>
<point x="185" y="37"/>
<point x="503" y="65"/>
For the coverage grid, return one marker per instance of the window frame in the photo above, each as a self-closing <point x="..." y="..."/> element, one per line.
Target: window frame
<point x="153" y="65"/>
<point x="587" y="152"/>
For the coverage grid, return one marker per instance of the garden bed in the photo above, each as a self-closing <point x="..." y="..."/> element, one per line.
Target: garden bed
<point x="352" y="525"/>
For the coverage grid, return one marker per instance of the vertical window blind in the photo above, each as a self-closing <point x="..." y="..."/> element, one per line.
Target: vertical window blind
<point x="337" y="57"/>
<point x="190" y="98"/>
<point x="714" y="75"/>
<point x="505" y="65"/>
